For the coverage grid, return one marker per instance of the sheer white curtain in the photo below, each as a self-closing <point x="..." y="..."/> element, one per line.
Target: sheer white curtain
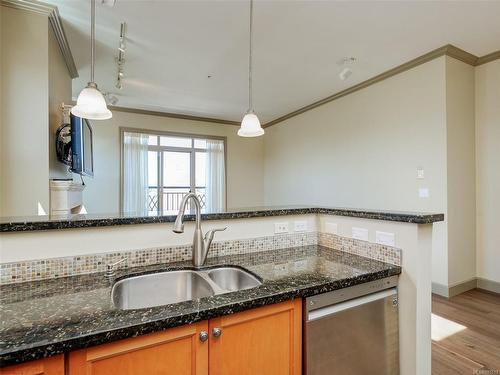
<point x="135" y="172"/>
<point x="215" y="175"/>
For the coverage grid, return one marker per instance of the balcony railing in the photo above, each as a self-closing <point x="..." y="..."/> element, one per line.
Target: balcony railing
<point x="171" y="198"/>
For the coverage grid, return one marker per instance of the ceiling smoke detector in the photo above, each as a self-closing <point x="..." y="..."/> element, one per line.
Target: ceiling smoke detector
<point x="345" y="73"/>
<point x="346" y="63"/>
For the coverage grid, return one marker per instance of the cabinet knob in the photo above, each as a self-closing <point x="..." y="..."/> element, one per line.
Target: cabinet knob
<point x="203" y="336"/>
<point x="217" y="332"/>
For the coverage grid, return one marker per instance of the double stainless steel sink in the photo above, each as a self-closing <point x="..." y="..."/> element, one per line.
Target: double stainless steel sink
<point x="162" y="288"/>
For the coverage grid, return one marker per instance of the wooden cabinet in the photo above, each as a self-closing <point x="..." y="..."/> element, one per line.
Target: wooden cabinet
<point x="176" y="351"/>
<point x="264" y="341"/>
<point x="47" y="366"/>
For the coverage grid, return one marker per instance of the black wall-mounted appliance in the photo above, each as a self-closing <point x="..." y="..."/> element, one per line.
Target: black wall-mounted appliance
<point x="74" y="146"/>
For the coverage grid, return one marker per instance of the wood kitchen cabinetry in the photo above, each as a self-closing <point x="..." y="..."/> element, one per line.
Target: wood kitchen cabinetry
<point x="265" y="340"/>
<point x="46" y="366"/>
<point x="176" y="351"/>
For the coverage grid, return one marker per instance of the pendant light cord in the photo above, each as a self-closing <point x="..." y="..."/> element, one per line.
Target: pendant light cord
<point x="250" y="99"/>
<point x="92" y="39"/>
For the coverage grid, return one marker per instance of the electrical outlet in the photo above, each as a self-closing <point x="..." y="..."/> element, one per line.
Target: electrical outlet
<point x="332" y="228"/>
<point x="280" y="269"/>
<point x="280" y="227"/>
<point x="360" y="233"/>
<point x="423" y="192"/>
<point x="300" y="226"/>
<point x="385" y="238"/>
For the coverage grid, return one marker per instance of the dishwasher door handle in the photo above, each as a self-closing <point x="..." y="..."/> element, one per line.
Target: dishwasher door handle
<point x="332" y="309"/>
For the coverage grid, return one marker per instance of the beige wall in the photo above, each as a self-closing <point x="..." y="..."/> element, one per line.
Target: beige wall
<point x="244" y="159"/>
<point x="21" y="246"/>
<point x="59" y="92"/>
<point x="461" y="172"/>
<point x="1" y="107"/>
<point x="24" y="136"/>
<point x="363" y="151"/>
<point x="488" y="170"/>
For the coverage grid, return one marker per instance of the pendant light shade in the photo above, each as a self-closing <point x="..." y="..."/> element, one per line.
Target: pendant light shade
<point x="250" y="125"/>
<point x="91" y="103"/>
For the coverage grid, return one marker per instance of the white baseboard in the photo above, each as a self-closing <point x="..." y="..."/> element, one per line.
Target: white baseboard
<point x="464" y="286"/>
<point x="440" y="289"/>
<point x="489" y="285"/>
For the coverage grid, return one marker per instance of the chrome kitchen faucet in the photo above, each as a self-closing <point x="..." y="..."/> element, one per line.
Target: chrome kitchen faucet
<point x="201" y="244"/>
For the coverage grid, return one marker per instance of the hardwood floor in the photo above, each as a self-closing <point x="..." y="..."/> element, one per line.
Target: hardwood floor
<point x="466" y="333"/>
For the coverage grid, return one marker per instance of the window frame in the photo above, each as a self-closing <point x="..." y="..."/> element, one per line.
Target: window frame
<point x="192" y="151"/>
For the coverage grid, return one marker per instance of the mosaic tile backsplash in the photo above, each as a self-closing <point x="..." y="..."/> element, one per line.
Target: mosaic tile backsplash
<point x="365" y="249"/>
<point x="34" y="270"/>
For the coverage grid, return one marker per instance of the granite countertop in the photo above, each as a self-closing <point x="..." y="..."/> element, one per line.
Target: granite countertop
<point x="40" y="319"/>
<point x="23" y="224"/>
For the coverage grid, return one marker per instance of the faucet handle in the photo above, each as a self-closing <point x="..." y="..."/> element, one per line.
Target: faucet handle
<point x="207" y="241"/>
<point x="111" y="267"/>
<point x="210" y="234"/>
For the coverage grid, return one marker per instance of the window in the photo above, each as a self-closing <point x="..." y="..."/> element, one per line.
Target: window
<point x="177" y="164"/>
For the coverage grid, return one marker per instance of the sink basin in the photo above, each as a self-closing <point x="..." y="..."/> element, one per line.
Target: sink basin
<point x="233" y="279"/>
<point x="163" y="288"/>
<point x="158" y="289"/>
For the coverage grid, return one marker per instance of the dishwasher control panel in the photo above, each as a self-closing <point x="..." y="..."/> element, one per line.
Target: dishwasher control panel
<point x="344" y="294"/>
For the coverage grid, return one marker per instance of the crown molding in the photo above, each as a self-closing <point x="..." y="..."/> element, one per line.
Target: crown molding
<point x="460" y="54"/>
<point x="52" y="13"/>
<point x="55" y="21"/>
<point x="173" y="115"/>
<point x="447" y="50"/>
<point x="392" y="72"/>
<point x="488" y="58"/>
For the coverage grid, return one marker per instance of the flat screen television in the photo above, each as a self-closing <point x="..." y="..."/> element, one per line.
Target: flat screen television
<point x="82" y="159"/>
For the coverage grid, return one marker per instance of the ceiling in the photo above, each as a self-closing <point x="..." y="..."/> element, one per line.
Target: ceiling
<point x="174" y="46"/>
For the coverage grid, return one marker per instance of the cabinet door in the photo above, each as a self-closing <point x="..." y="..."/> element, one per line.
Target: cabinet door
<point x="47" y="366"/>
<point x="264" y="341"/>
<point x="176" y="351"/>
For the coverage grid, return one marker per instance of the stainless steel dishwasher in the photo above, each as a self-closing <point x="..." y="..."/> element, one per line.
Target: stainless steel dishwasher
<point x="353" y="330"/>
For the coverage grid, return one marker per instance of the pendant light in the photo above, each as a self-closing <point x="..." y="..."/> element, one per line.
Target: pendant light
<point x="91" y="103"/>
<point x="250" y="125"/>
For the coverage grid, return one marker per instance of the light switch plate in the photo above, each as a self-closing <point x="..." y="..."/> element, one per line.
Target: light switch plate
<point x="385" y="238"/>
<point x="332" y="228"/>
<point x="281" y="228"/>
<point x="360" y="233"/>
<point x="300" y="226"/>
<point x="420" y="173"/>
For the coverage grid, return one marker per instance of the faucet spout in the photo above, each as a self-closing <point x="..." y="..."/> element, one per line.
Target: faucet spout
<point x="201" y="244"/>
<point x="179" y="221"/>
